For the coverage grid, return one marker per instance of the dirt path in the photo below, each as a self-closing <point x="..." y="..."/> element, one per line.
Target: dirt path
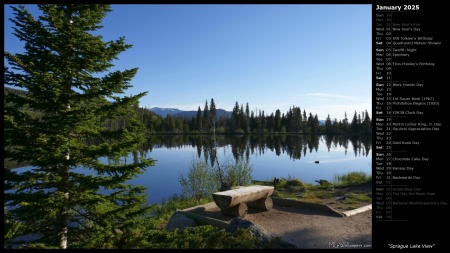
<point x="310" y="228"/>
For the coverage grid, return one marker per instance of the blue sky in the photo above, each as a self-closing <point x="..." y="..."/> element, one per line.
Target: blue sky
<point x="316" y="57"/>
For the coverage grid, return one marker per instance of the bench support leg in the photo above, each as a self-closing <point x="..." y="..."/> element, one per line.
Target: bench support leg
<point x="237" y="210"/>
<point x="262" y="203"/>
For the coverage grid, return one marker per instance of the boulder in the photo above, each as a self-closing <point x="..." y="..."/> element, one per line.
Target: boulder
<point x="266" y="238"/>
<point x="179" y="221"/>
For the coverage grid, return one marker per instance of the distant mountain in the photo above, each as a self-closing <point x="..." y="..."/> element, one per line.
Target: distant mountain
<point x="163" y="112"/>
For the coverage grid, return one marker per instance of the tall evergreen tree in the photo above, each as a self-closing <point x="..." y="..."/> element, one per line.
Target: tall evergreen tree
<point x="367" y="124"/>
<point x="336" y="125"/>
<point x="328" y="125"/>
<point x="345" y="124"/>
<point x="277" y="121"/>
<point x="247" y="117"/>
<point x="354" y="124"/>
<point x="199" y="120"/>
<point x="213" y="113"/>
<point x="297" y="118"/>
<point x="259" y="122"/>
<point x="305" y="122"/>
<point x="235" y="117"/>
<point x="263" y="121"/>
<point x="71" y="197"/>
<point x="242" y="118"/>
<point x="206" y="118"/>
<point x="315" y="124"/>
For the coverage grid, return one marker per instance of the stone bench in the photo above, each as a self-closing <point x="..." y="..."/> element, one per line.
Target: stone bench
<point x="235" y="202"/>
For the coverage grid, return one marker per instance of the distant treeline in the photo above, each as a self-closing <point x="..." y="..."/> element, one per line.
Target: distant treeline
<point x="244" y="121"/>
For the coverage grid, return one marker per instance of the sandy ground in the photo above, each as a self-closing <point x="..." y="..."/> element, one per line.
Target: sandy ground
<point x="310" y="228"/>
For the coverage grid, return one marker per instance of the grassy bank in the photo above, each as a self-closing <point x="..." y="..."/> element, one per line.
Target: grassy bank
<point x="346" y="192"/>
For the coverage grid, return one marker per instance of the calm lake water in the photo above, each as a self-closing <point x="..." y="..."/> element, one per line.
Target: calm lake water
<point x="291" y="156"/>
<point x="282" y="156"/>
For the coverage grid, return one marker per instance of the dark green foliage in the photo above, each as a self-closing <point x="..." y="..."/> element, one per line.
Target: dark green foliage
<point x="206" y="117"/>
<point x="201" y="237"/>
<point x="59" y="126"/>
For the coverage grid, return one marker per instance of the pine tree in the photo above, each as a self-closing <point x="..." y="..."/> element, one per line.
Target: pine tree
<point x="242" y="121"/>
<point x="247" y="118"/>
<point x="277" y="121"/>
<point x="367" y="124"/>
<point x="328" y="125"/>
<point x="305" y="122"/>
<point x="206" y="118"/>
<point x="71" y="198"/>
<point x="354" y="124"/>
<point x="315" y="124"/>
<point x="235" y="117"/>
<point x="213" y="114"/>
<point x="345" y="124"/>
<point x="198" y="119"/>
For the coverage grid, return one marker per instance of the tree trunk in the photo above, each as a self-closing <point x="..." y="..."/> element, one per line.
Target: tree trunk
<point x="62" y="216"/>
<point x="63" y="213"/>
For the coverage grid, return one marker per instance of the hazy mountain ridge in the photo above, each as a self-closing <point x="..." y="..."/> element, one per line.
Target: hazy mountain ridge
<point x="163" y="112"/>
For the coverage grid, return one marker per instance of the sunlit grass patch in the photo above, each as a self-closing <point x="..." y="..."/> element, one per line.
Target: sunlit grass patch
<point x="355" y="177"/>
<point x="356" y="199"/>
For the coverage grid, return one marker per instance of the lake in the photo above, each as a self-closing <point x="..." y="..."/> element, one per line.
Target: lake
<point x="281" y="156"/>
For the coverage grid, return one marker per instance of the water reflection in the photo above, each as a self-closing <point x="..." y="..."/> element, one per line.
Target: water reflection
<point x="243" y="146"/>
<point x="280" y="156"/>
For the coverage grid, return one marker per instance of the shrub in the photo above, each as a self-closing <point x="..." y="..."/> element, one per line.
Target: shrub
<point x="201" y="237"/>
<point x="201" y="180"/>
<point x="292" y="181"/>
<point x="239" y="173"/>
<point x="352" y="178"/>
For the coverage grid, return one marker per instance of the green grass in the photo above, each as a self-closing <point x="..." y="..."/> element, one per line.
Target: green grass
<point x="162" y="212"/>
<point x="294" y="188"/>
<point x="352" y="178"/>
<point x="357" y="198"/>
